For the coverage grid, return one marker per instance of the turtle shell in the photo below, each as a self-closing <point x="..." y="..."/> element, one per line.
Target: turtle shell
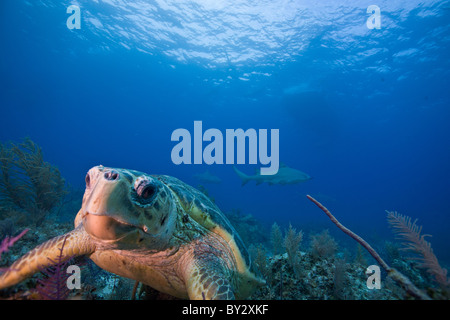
<point x="207" y="214"/>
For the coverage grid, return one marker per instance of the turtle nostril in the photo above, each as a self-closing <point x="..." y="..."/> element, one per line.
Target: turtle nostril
<point x="148" y="192"/>
<point x="145" y="192"/>
<point x="88" y="180"/>
<point x="111" y="175"/>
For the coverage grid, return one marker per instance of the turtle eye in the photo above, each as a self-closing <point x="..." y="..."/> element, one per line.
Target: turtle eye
<point x="145" y="192"/>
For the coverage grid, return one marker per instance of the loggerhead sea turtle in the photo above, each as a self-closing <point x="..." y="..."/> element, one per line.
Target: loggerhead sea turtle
<point x="154" y="229"/>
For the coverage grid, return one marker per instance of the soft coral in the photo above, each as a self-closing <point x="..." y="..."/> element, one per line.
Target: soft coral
<point x="9" y="242"/>
<point x="54" y="284"/>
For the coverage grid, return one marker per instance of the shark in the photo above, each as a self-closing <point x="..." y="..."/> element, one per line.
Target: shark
<point x="207" y="177"/>
<point x="285" y="175"/>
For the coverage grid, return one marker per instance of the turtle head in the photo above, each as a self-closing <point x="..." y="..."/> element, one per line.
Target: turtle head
<point x="126" y="208"/>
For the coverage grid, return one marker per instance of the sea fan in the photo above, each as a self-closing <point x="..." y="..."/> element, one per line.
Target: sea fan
<point x="54" y="284"/>
<point x="416" y="243"/>
<point x="27" y="182"/>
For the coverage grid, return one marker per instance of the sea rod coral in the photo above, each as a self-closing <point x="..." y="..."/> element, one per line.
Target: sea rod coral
<point x="398" y="277"/>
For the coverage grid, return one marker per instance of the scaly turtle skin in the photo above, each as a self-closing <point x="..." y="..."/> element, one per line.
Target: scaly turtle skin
<point x="154" y="229"/>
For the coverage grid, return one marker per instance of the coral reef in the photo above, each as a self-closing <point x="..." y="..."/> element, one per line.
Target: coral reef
<point x="415" y="242"/>
<point x="325" y="279"/>
<point x="28" y="185"/>
<point x="321" y="270"/>
<point x="324" y="272"/>
<point x="323" y="245"/>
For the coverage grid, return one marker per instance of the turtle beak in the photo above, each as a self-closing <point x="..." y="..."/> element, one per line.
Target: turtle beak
<point x="105" y="227"/>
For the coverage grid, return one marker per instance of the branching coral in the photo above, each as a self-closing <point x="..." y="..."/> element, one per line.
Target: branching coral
<point x="27" y="182"/>
<point x="414" y="242"/>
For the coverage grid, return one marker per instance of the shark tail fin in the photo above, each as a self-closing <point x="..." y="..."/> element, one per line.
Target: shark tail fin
<point x="245" y="178"/>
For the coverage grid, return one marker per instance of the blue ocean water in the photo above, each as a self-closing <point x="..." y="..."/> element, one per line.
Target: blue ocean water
<point x="364" y="111"/>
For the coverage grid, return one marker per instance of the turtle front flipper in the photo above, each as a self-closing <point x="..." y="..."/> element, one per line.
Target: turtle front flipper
<point x="208" y="279"/>
<point x="77" y="243"/>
